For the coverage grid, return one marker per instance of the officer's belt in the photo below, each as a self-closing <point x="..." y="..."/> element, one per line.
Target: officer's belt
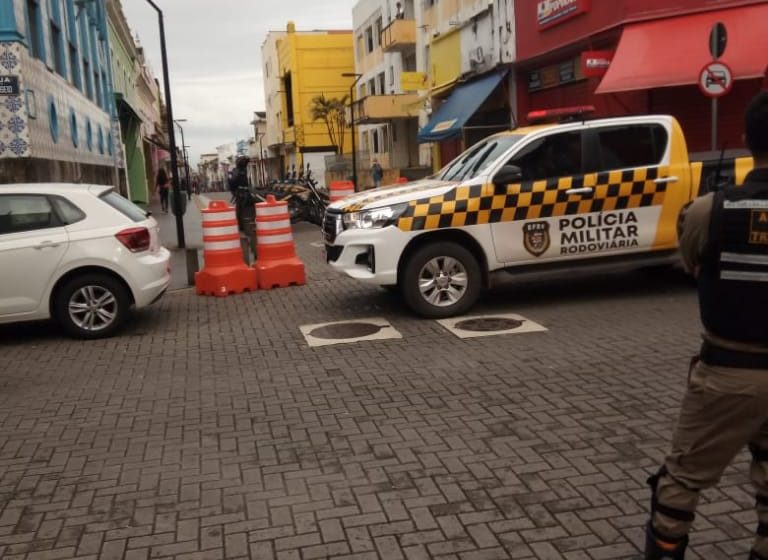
<point x="718" y="356"/>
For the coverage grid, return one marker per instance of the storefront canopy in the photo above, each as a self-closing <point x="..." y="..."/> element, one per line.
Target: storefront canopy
<point x="465" y="100"/>
<point x="673" y="51"/>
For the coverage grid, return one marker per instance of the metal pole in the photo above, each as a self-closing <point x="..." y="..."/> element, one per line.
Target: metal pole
<point x="352" y="128"/>
<point x="177" y="199"/>
<point x="714" y="123"/>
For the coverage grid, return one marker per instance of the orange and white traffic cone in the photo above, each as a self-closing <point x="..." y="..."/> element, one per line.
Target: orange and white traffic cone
<point x="277" y="263"/>
<point x="340" y="189"/>
<point x="224" y="271"/>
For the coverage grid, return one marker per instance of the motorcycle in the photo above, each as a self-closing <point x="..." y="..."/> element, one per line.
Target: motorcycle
<point x="306" y="201"/>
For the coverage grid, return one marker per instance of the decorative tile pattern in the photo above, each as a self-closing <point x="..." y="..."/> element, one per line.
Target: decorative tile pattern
<point x="14" y="129"/>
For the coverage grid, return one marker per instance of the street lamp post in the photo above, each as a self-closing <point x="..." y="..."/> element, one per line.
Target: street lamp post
<point x="177" y="200"/>
<point x="184" y="154"/>
<point x="357" y="77"/>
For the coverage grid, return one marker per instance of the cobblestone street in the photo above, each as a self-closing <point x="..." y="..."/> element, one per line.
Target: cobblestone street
<point x="210" y="429"/>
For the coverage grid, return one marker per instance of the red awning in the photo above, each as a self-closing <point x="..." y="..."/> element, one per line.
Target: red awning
<point x="672" y="52"/>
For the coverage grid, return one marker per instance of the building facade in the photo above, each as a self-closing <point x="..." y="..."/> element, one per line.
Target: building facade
<point x="465" y="49"/>
<point x="56" y="108"/>
<point x="306" y="65"/>
<point x="137" y="101"/>
<point x="386" y="115"/>
<point x="632" y="57"/>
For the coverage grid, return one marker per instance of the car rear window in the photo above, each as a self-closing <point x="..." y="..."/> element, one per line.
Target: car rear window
<point x="124" y="206"/>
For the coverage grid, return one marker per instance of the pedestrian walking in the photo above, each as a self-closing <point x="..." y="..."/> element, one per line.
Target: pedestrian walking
<point x="399" y="12"/>
<point x="163" y="186"/>
<point x="377" y="173"/>
<point x="724" y="244"/>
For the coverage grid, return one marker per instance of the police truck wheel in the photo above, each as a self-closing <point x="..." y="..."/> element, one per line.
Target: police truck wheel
<point x="441" y="280"/>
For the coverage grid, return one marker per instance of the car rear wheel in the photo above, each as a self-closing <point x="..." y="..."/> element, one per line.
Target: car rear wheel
<point x="91" y="306"/>
<point x="441" y="280"/>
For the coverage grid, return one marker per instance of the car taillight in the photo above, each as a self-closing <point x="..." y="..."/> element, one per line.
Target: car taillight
<point x="134" y="239"/>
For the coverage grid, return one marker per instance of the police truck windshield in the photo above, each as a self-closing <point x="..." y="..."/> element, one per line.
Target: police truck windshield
<point x="474" y="161"/>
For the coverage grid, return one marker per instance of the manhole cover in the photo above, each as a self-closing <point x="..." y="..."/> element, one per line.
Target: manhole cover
<point x="488" y="324"/>
<point x="345" y="330"/>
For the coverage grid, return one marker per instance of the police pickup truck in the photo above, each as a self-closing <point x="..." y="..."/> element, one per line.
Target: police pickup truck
<point x="542" y="198"/>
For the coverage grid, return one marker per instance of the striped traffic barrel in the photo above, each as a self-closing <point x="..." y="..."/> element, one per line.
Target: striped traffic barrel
<point x="341" y="189"/>
<point x="224" y="271"/>
<point x="277" y="262"/>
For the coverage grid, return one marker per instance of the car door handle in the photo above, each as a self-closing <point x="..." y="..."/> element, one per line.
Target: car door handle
<point x="46" y="245"/>
<point x="662" y="180"/>
<point x="583" y="190"/>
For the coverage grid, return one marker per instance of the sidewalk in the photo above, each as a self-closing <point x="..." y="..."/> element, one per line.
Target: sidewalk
<point x="193" y="234"/>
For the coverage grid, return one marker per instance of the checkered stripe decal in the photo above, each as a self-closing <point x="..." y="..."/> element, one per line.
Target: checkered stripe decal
<point x="483" y="204"/>
<point x="358" y="205"/>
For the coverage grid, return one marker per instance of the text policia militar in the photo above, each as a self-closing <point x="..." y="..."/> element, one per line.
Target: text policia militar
<point x="598" y="232"/>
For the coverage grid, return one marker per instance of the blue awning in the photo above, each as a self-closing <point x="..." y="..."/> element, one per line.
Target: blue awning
<point x="460" y="106"/>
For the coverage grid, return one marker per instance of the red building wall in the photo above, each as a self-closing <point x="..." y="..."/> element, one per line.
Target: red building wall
<point x="601" y="15"/>
<point x="600" y="28"/>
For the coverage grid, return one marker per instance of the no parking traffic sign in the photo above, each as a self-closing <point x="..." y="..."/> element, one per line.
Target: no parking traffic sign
<point x="715" y="79"/>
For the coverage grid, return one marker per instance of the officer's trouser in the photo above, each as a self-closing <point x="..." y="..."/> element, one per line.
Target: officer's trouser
<point x="723" y="410"/>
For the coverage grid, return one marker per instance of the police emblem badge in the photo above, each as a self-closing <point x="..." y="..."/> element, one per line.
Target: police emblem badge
<point x="536" y="238"/>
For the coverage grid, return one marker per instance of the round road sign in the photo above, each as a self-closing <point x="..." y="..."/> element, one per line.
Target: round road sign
<point x="715" y="79"/>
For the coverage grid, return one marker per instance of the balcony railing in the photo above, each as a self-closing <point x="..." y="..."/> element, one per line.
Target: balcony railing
<point x="399" y="36"/>
<point x="383" y="108"/>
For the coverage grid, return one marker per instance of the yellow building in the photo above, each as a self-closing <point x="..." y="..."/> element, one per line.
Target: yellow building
<point x="311" y="64"/>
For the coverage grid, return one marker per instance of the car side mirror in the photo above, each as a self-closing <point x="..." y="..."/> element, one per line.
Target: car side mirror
<point x="508" y="174"/>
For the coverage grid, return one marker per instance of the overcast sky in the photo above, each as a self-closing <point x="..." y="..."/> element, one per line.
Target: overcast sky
<point x="214" y="57"/>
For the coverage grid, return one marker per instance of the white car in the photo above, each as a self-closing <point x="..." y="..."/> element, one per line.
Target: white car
<point x="81" y="254"/>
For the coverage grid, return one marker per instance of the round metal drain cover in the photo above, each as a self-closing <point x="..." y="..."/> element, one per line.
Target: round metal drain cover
<point x="488" y="324"/>
<point x="345" y="330"/>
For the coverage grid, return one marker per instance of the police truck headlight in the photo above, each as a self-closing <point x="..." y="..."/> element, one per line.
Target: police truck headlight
<point x="375" y="218"/>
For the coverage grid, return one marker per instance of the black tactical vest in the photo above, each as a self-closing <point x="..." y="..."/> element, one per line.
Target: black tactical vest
<point x="733" y="280"/>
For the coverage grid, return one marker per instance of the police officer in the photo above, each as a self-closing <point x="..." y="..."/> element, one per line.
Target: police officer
<point x="724" y="244"/>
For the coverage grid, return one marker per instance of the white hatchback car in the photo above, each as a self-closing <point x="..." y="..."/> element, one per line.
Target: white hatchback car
<point x="81" y="254"/>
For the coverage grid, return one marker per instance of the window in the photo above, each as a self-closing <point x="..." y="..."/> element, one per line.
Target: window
<point x="34" y="20"/>
<point x="474" y="160"/>
<point x="375" y="141"/>
<point x="89" y="135"/>
<point x="382" y="83"/>
<point x="67" y="212"/>
<point x="109" y="143"/>
<point x="288" y="87"/>
<point x="101" y="141"/>
<point x="360" y="47"/>
<point x="557" y="155"/>
<point x="377" y="31"/>
<point x="73" y="128"/>
<point x="392" y="76"/>
<point x="25" y="212"/>
<point x="622" y="147"/>
<point x="385" y="139"/>
<point x="372" y="86"/>
<point x="53" y="119"/>
<point x="57" y="39"/>
<point x="124" y="206"/>
<point x="369" y="40"/>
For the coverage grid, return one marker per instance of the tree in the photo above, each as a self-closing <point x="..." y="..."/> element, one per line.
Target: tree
<point x="333" y="112"/>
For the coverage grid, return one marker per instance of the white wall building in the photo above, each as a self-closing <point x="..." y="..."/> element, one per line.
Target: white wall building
<point x="385" y="114"/>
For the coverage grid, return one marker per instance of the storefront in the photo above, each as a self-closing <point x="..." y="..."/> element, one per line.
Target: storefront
<point x="631" y="57"/>
<point x="469" y="112"/>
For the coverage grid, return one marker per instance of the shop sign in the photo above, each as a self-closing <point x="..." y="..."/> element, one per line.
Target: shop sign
<point x="594" y="64"/>
<point x="9" y="85"/>
<point x="413" y="81"/>
<point x="555" y="75"/>
<point x="554" y="12"/>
